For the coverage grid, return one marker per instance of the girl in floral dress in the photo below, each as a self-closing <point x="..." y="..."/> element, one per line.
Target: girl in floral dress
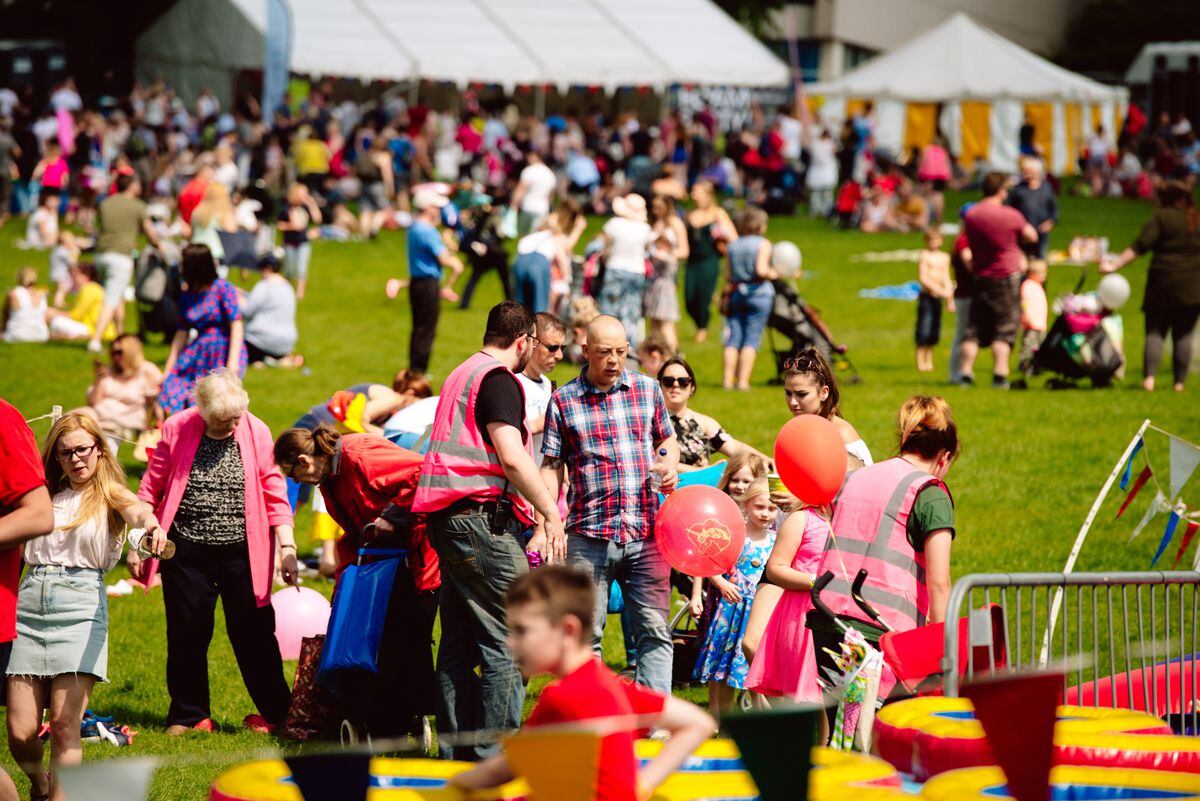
<point x="210" y="306"/>
<point x="722" y="663"/>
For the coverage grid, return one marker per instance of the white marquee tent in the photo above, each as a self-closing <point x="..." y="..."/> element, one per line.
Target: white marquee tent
<point x="608" y="43"/>
<point x="986" y="87"/>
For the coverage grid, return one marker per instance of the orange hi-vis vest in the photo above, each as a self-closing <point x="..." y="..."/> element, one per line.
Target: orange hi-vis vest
<point x="459" y="463"/>
<point x="870" y="516"/>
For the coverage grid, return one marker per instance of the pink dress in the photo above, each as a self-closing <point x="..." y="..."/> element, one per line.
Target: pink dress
<point x="786" y="664"/>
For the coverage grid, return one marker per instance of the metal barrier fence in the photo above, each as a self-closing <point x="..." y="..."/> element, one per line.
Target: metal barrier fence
<point x="1133" y="627"/>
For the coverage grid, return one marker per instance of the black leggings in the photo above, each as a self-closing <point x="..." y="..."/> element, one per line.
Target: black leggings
<point x="1181" y="323"/>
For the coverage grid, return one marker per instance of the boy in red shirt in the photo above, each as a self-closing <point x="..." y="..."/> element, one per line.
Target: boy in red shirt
<point x="549" y="631"/>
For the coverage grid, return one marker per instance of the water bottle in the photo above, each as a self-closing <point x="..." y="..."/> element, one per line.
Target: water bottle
<point x="655" y="476"/>
<point x="139" y="542"/>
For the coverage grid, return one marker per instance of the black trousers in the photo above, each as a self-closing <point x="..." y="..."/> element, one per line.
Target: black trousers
<point x="192" y="582"/>
<point x="423" y="295"/>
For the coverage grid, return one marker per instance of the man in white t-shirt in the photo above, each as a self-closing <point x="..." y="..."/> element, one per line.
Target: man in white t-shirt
<point x="66" y="97"/>
<point x="531" y="198"/>
<point x="792" y="132"/>
<point x="551" y="333"/>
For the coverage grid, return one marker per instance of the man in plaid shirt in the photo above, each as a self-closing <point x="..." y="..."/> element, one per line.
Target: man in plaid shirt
<point x="605" y="428"/>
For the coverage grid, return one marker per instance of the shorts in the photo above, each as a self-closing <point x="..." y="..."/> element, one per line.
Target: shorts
<point x="929" y="319"/>
<point x="995" y="311"/>
<point x="115" y="272"/>
<point x="749" y="312"/>
<point x="296" y="259"/>
<point x="374" y="197"/>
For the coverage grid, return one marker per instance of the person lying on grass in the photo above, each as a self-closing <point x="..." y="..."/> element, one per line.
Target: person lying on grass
<point x="550" y="623"/>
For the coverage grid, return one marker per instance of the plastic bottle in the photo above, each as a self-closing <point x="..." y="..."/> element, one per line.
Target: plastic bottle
<point x="655" y="475"/>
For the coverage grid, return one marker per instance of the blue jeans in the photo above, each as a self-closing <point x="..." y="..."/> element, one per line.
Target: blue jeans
<point x="478" y="566"/>
<point x="531" y="281"/>
<point x="644" y="577"/>
<point x="749" y="312"/>
<point x="621" y="296"/>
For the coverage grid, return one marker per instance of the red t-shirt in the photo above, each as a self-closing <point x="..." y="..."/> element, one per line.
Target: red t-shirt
<point x="994" y="234"/>
<point x="190" y="197"/>
<point x="21" y="472"/>
<point x="594" y="691"/>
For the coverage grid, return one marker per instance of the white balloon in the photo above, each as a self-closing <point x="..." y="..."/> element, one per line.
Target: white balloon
<point x="785" y="258"/>
<point x="1114" y="291"/>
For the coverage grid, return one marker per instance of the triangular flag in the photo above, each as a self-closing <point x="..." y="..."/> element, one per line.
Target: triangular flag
<point x="1018" y="715"/>
<point x="109" y="779"/>
<point x="556" y="764"/>
<point x="1129" y="464"/>
<point x="1157" y="506"/>
<point x="1137" y="487"/>
<point x="345" y="776"/>
<point x="1188" y="534"/>
<point x="1172" y="524"/>
<point x="763" y="735"/>
<point x="1184" y="458"/>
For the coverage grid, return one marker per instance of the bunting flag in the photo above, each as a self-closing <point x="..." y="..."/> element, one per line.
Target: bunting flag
<point x="1137" y="487"/>
<point x="1188" y="534"/>
<point x="1184" y="458"/>
<point x="556" y="764"/>
<point x="1159" y="505"/>
<point x="1172" y="524"/>
<point x="762" y="735"/>
<point x="345" y="776"/>
<point x="1018" y="715"/>
<point x="1129" y="464"/>
<point x="104" y="780"/>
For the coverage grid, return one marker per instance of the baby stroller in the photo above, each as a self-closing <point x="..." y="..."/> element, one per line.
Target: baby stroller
<point x="1084" y="341"/>
<point x="793" y="318"/>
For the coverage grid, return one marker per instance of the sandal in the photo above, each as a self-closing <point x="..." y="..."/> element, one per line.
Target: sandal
<point x="36" y="796"/>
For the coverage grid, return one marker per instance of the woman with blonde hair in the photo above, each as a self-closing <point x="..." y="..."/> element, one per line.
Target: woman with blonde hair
<point x="25" y="310"/>
<point x="61" y="649"/>
<point x="222" y="501"/>
<point x="122" y="394"/>
<point x="212" y="215"/>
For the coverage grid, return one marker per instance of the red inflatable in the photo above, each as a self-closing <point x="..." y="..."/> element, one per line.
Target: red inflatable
<point x="700" y="531"/>
<point x="810" y="458"/>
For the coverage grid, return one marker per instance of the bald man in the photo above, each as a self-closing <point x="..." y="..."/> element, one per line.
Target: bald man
<point x="610" y="431"/>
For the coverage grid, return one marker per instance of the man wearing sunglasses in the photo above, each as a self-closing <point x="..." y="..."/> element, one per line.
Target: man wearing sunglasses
<point x="550" y="333"/>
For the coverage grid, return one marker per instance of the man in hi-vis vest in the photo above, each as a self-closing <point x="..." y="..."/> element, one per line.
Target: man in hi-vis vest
<point x="477" y="477"/>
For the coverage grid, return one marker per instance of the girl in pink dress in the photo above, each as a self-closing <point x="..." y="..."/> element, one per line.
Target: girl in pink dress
<point x="785" y="663"/>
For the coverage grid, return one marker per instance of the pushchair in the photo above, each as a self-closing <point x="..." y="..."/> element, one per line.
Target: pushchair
<point x="791" y="317"/>
<point x="1083" y="342"/>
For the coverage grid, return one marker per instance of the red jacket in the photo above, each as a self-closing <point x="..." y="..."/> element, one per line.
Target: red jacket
<point x="370" y="478"/>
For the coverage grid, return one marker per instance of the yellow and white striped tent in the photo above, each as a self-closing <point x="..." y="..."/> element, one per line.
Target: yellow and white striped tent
<point x="978" y="88"/>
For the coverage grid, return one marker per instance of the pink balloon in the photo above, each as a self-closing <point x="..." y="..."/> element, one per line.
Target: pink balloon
<point x="298" y="614"/>
<point x="700" y="531"/>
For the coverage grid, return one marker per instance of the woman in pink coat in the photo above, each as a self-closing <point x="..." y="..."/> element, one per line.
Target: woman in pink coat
<point x="222" y="501"/>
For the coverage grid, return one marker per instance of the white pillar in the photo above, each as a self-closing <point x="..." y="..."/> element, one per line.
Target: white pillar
<point x="1004" y="134"/>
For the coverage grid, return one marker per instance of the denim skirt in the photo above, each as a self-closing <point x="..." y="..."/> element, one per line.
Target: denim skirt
<point x="62" y="623"/>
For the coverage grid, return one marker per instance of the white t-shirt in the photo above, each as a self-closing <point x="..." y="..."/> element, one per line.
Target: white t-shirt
<point x="46" y="128"/>
<point x="8" y="101"/>
<point x="41" y="217"/>
<point x="227" y="174"/>
<point x="627" y="251"/>
<point x="540" y="183"/>
<point x="537" y="399"/>
<point x="544" y="242"/>
<point x="823" y="171"/>
<point x="66" y="98"/>
<point x="792" y="131"/>
<point x="414" y="419"/>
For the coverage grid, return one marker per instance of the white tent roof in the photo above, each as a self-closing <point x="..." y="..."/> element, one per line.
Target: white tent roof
<point x="1142" y="68"/>
<point x="607" y="42"/>
<point x="960" y="60"/>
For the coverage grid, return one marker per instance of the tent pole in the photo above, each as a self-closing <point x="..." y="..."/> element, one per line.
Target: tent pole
<point x="414" y="90"/>
<point x="539" y="101"/>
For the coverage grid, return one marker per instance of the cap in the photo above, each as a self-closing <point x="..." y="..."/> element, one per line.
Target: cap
<point x="426" y="198"/>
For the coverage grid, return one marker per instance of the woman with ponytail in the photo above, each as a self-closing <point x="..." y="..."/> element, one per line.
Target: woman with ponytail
<point x="368" y="485"/>
<point x="1172" y="300"/>
<point x="61" y="649"/>
<point x="895" y="519"/>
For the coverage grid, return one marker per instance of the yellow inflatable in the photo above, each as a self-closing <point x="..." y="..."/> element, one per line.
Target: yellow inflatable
<point x="1068" y="782"/>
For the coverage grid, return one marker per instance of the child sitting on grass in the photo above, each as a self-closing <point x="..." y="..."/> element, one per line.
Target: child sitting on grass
<point x="550" y="631"/>
<point x="933" y="273"/>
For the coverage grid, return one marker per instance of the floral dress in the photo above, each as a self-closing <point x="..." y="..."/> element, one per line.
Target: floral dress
<point x="721" y="658"/>
<point x="211" y="314"/>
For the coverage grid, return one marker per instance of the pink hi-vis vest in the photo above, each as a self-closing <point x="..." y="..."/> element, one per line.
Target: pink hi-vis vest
<point x="459" y="464"/>
<point x="869" y="518"/>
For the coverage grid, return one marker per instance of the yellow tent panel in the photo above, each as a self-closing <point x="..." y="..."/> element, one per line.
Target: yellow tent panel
<point x="1041" y="117"/>
<point x="1074" y="137"/>
<point x="976" y="133"/>
<point x="920" y="125"/>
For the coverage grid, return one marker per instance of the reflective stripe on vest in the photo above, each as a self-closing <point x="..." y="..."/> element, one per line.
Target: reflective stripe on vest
<point x="459" y="463"/>
<point x="895" y="583"/>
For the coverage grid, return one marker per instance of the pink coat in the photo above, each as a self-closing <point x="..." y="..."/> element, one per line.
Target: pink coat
<point x="266" y="493"/>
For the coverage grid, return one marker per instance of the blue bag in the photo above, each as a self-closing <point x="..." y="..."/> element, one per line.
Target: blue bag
<point x="360" y="605"/>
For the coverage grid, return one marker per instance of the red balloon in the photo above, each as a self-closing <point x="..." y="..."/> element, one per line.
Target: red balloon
<point x="700" y="531"/>
<point x="810" y="458"/>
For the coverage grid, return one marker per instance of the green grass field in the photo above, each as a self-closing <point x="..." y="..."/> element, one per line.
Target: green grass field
<point x="1031" y="464"/>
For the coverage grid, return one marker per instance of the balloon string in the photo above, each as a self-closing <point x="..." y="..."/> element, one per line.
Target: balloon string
<point x="827" y="517"/>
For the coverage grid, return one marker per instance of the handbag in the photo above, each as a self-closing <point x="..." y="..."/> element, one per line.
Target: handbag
<point x="356" y="622"/>
<point x="146" y="442"/>
<point x="725" y="304"/>
<point x="685" y="637"/>
<point x="313" y="711"/>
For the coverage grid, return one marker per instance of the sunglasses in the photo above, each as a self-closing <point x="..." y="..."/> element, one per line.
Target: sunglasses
<point x="671" y="381"/>
<point x="82" y="452"/>
<point x="116" y="351"/>
<point x="552" y="348"/>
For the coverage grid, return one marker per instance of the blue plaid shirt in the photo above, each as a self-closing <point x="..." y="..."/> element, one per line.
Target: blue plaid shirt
<point x="606" y="440"/>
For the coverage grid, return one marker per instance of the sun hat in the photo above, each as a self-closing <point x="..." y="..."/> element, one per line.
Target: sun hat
<point x="427" y="198"/>
<point x="631" y="207"/>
